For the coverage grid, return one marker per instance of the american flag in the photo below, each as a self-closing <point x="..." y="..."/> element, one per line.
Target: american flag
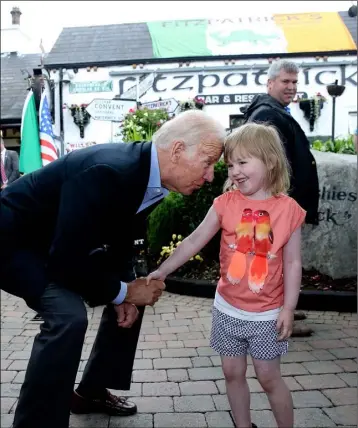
<point x="48" y="148"/>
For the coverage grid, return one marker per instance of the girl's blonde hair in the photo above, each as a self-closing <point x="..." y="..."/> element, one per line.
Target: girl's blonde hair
<point x="260" y="141"/>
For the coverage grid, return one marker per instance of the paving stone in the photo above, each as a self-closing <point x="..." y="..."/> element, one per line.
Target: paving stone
<point x="349" y="378"/>
<point x="4" y="356"/>
<point x="180" y="329"/>
<point x="320" y="381"/>
<point x="327" y="344"/>
<point x="305" y="399"/>
<point x="92" y="420"/>
<point x="151" y="345"/>
<point x="149" y="376"/>
<point x="206" y="351"/>
<point x="347" y="365"/>
<point x="201" y="362"/>
<point x="185" y="352"/>
<point x="263" y="418"/>
<point x="344" y="353"/>
<point x="135" y="391"/>
<point x="177" y="375"/>
<point x="194" y="403"/>
<point x="293" y="369"/>
<point x="164" y="309"/>
<point x="7" y="404"/>
<point x="10" y="390"/>
<point x="154" y="353"/>
<point x="172" y="363"/>
<point x="179" y="420"/>
<point x="343" y="415"/>
<point x="7" y="376"/>
<point x="198" y="388"/>
<point x="154" y="404"/>
<point x="142" y="420"/>
<point x="216" y="360"/>
<point x="311" y="418"/>
<point x="199" y="343"/>
<point x="350" y="341"/>
<point x="6" y="421"/>
<point x="321" y="367"/>
<point x="193" y="335"/>
<point x="341" y="396"/>
<point x="4" y="364"/>
<point x="172" y="344"/>
<point x="168" y="317"/>
<point x="323" y="355"/>
<point x="161" y="389"/>
<point x="207" y="373"/>
<point x="175" y="323"/>
<point x="219" y="420"/>
<point x="298" y="357"/>
<point x="143" y="364"/>
<point x="18" y="365"/>
<point x="221" y="402"/>
<point x="184" y="315"/>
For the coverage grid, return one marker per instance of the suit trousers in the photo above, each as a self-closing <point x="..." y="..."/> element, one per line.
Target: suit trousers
<point x="45" y="396"/>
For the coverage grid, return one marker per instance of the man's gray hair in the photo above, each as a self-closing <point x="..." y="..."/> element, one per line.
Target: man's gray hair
<point x="192" y="127"/>
<point x="288" y="66"/>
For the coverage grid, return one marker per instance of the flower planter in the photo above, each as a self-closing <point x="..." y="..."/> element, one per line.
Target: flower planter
<point x="337" y="301"/>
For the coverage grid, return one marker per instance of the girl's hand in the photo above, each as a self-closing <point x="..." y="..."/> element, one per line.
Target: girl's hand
<point x="285" y="324"/>
<point x="157" y="274"/>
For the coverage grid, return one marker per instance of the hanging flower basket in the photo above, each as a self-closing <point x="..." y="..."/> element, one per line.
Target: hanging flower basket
<point x="80" y="116"/>
<point x="311" y="108"/>
<point x="192" y="103"/>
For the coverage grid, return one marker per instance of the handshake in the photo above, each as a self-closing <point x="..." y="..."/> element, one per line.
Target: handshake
<point x="140" y="292"/>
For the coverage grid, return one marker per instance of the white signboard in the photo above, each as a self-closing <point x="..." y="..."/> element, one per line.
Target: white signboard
<point x="110" y="110"/>
<point x="170" y="105"/>
<point x="145" y="83"/>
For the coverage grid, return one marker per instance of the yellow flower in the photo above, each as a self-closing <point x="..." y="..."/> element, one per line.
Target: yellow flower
<point x="174" y="237"/>
<point x="197" y="257"/>
<point x="178" y="243"/>
<point x="180" y="237"/>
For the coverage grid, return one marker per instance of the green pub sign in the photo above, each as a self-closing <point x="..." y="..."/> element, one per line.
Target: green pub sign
<point x="85" y="87"/>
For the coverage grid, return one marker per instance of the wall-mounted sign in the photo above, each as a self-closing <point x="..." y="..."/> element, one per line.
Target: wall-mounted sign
<point x="110" y="110"/>
<point x="93" y="86"/>
<point x="140" y="88"/>
<point x="170" y="105"/>
<point x="235" y="98"/>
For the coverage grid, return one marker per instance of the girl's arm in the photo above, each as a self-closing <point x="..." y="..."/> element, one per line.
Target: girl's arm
<point x="189" y="247"/>
<point x="292" y="275"/>
<point x="292" y="270"/>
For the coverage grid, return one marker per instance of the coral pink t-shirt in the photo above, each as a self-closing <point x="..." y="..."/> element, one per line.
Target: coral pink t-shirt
<point x="254" y="233"/>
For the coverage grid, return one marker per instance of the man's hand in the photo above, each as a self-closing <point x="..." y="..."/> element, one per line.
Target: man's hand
<point x="285" y="324"/>
<point x="141" y="294"/>
<point x="127" y="314"/>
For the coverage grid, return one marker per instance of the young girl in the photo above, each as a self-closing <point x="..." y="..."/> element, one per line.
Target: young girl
<point x="260" y="268"/>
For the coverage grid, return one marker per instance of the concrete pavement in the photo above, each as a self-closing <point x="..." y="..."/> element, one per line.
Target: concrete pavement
<point x="177" y="378"/>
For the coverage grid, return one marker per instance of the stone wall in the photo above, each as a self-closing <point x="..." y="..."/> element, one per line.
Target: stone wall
<point x="331" y="247"/>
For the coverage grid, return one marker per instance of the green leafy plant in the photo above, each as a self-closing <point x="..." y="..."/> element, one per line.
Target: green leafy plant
<point x="141" y="124"/>
<point x="339" y="145"/>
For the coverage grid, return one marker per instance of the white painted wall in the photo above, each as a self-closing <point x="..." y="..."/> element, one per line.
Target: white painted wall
<point x="102" y="132"/>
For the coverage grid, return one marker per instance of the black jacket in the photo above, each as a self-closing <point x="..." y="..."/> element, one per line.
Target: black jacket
<point x="304" y="180"/>
<point x="74" y="205"/>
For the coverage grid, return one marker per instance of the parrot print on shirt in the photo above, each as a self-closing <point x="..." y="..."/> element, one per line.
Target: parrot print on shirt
<point x="244" y="244"/>
<point x="254" y="236"/>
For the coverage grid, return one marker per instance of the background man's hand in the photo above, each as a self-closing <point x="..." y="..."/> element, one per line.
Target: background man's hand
<point x="127" y="314"/>
<point x="141" y="294"/>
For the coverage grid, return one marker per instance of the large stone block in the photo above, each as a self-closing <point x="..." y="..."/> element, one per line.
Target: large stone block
<point x="331" y="247"/>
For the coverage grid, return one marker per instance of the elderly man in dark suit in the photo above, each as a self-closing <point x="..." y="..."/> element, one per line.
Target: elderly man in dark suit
<point x="9" y="166"/>
<point x="68" y="230"/>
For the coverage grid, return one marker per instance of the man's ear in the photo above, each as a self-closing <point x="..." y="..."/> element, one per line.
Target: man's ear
<point x="177" y="150"/>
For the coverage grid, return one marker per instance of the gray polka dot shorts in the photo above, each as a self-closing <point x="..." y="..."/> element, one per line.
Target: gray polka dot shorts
<point x="232" y="337"/>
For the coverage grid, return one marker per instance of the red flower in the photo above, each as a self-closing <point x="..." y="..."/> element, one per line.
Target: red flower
<point x="158" y="123"/>
<point x="131" y="110"/>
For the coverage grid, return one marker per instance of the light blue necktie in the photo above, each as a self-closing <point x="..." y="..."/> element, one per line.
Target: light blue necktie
<point x="288" y="110"/>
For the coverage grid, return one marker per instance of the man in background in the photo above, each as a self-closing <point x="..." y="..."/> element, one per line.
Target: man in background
<point x="9" y="166"/>
<point x="273" y="108"/>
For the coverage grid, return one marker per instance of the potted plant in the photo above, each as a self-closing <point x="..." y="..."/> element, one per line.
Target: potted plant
<point x="192" y="103"/>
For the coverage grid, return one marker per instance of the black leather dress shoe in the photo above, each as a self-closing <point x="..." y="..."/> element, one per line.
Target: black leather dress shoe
<point x="109" y="404"/>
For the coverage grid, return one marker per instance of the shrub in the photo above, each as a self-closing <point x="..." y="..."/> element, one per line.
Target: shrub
<point x="343" y="146"/>
<point x="182" y="214"/>
<point x="141" y="124"/>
